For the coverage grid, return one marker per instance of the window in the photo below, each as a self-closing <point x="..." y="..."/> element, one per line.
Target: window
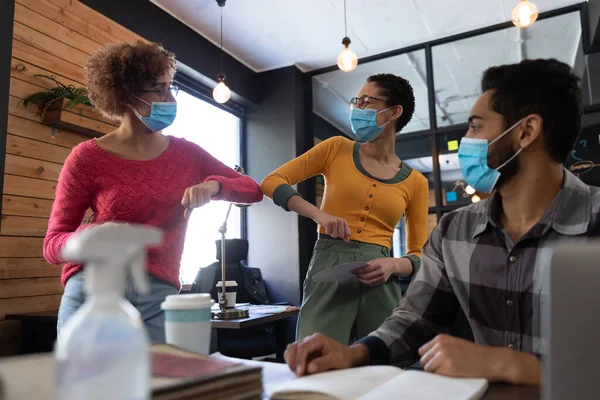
<point x="332" y="91"/>
<point x="458" y="65"/>
<point x="399" y="238"/>
<point x="217" y="132"/>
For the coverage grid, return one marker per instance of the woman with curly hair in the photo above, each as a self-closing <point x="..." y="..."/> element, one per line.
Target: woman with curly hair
<point x="137" y="175"/>
<point x="367" y="190"/>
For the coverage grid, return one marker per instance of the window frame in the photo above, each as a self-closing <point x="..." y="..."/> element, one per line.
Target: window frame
<point x="202" y="92"/>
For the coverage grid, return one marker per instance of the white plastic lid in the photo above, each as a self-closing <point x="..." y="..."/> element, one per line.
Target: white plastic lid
<point x="227" y="283"/>
<point x="187" y="301"/>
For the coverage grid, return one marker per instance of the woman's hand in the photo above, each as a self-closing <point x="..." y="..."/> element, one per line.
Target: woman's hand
<point x="334" y="226"/>
<point x="199" y="195"/>
<point x="377" y="272"/>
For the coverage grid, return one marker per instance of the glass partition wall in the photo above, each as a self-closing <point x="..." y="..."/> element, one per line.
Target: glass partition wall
<point x="445" y="75"/>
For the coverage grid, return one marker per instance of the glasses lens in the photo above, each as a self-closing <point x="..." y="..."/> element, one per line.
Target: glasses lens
<point x="363" y="101"/>
<point x="174" y="90"/>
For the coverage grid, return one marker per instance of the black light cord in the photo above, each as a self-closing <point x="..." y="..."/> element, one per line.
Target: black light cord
<point x="345" y="21"/>
<point x="221" y="39"/>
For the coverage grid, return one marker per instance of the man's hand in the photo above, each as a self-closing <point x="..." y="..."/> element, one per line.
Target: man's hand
<point x="199" y="195"/>
<point x="318" y="353"/>
<point x="334" y="226"/>
<point x="451" y="356"/>
<point x="377" y="272"/>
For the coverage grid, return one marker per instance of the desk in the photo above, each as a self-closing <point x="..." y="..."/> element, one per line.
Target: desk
<point x="38" y="330"/>
<point x="278" y="321"/>
<point x="275" y="374"/>
<point x="19" y="380"/>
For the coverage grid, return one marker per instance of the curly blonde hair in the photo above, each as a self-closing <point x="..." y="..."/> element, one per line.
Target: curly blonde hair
<point x="118" y="71"/>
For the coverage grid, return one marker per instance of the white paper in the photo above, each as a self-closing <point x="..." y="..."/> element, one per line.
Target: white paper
<point x="345" y="384"/>
<point x="422" y="385"/>
<point x="339" y="272"/>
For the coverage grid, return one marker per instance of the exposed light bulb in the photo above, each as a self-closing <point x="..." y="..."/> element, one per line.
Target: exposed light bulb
<point x="524" y="14"/>
<point x="347" y="60"/>
<point x="475" y="199"/>
<point x="470" y="190"/>
<point x="221" y="92"/>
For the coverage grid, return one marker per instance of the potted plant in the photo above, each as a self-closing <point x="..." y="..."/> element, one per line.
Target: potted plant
<point x="69" y="107"/>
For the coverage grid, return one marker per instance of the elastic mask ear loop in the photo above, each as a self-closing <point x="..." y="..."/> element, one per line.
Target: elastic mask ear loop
<point x="388" y="121"/>
<point x="514" y="155"/>
<point x="506" y="132"/>
<point x="135" y="108"/>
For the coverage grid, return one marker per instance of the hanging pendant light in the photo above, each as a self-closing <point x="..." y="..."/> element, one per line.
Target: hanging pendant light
<point x="221" y="92"/>
<point x="347" y="60"/>
<point x="524" y="14"/>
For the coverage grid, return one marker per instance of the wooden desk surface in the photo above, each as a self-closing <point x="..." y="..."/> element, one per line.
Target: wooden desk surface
<point x="501" y="391"/>
<point x="254" y="319"/>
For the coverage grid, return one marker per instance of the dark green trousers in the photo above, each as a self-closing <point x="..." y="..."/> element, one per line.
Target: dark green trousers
<point x="333" y="308"/>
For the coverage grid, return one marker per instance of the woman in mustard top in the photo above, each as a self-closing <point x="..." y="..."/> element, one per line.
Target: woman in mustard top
<point x="367" y="191"/>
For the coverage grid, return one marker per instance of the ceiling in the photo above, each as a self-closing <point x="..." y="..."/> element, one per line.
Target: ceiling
<point x="270" y="34"/>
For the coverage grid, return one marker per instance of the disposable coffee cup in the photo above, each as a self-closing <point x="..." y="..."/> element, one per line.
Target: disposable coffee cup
<point x="187" y="321"/>
<point x="231" y="291"/>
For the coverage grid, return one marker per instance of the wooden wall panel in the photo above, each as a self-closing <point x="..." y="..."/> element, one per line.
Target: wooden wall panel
<point x="31" y="168"/>
<point x="13" y="268"/>
<point x="22" y="89"/>
<point x="11" y="246"/>
<point x="69" y="20"/>
<point x="20" y="146"/>
<point x="29" y="187"/>
<point x="23" y="51"/>
<point x="38" y="40"/>
<point x="34" y="130"/>
<point x="10" y="288"/>
<point x="25" y="71"/>
<point x="55" y="30"/>
<point x="25" y="206"/>
<point x="98" y="20"/>
<point x="16" y="107"/>
<point x="51" y="37"/>
<point x="23" y="226"/>
<point x="19" y="305"/>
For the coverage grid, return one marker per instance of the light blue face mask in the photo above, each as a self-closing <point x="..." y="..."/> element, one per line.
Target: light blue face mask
<point x="364" y="123"/>
<point x="473" y="160"/>
<point x="162" y="115"/>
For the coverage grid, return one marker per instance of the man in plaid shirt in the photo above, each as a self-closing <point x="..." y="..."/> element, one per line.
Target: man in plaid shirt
<point x="489" y="258"/>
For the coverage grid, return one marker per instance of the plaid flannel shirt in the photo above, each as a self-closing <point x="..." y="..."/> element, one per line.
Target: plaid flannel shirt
<point x="470" y="262"/>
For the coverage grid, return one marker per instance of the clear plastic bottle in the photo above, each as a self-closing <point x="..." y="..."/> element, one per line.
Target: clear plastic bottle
<point x="103" y="351"/>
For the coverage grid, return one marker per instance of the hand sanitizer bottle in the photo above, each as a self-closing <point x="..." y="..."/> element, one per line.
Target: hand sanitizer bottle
<point x="103" y="351"/>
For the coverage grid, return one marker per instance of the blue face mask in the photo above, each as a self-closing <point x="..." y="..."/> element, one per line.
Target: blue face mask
<point x="162" y="115"/>
<point x="473" y="160"/>
<point x="364" y="123"/>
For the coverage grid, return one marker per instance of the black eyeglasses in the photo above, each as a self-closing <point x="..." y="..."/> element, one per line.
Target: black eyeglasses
<point x="164" y="92"/>
<point x="363" y="101"/>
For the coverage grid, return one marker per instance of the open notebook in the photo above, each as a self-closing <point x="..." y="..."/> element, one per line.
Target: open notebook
<point x="379" y="382"/>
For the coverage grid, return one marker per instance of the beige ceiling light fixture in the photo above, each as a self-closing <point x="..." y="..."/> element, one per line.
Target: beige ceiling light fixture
<point x="524" y="14"/>
<point x="347" y="60"/>
<point x="221" y="92"/>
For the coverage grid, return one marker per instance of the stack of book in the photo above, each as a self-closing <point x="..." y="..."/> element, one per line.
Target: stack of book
<point x="176" y="375"/>
<point x="181" y="375"/>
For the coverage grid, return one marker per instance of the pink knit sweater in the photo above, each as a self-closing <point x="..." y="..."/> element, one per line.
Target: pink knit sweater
<point x="142" y="192"/>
